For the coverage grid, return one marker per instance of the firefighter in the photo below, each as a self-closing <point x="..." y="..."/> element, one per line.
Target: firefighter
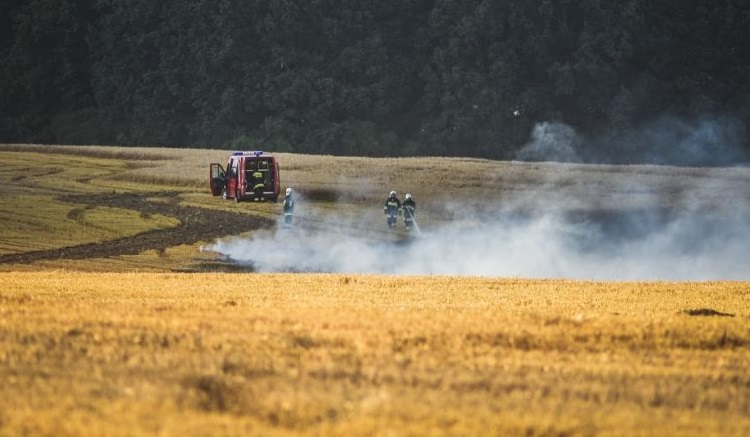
<point x="259" y="185"/>
<point x="288" y="207"/>
<point x="392" y="209"/>
<point x="409" y="208"/>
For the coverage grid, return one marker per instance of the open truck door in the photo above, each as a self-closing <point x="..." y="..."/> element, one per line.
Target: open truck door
<point x="218" y="180"/>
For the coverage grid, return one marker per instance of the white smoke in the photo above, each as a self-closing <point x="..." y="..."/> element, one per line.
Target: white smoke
<point x="705" y="236"/>
<point x="717" y="141"/>
<point x="704" y="246"/>
<point x="556" y="142"/>
<point x="672" y="141"/>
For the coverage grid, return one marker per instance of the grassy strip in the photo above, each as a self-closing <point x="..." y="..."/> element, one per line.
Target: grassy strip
<point x="37" y="223"/>
<point x="35" y="218"/>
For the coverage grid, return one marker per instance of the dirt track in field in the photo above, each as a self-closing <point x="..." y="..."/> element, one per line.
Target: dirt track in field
<point x="196" y="224"/>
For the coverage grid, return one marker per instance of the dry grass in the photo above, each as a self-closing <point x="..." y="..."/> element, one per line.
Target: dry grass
<point x="63" y="224"/>
<point x="364" y="180"/>
<point x="350" y="355"/>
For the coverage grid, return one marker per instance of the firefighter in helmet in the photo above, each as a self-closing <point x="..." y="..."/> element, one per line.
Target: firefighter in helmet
<point x="259" y="184"/>
<point x="409" y="208"/>
<point x="288" y="207"/>
<point x="392" y="209"/>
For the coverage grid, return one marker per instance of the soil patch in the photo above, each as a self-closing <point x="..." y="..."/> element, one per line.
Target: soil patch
<point x="706" y="312"/>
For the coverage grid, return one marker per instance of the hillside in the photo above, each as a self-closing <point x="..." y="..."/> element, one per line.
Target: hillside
<point x="149" y="208"/>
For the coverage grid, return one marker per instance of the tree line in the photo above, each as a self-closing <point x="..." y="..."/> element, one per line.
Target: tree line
<point x="407" y="77"/>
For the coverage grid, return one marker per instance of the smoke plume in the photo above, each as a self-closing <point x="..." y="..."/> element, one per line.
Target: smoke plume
<point x="718" y="141"/>
<point x="682" y="233"/>
<point x="555" y="142"/>
<point x="636" y="246"/>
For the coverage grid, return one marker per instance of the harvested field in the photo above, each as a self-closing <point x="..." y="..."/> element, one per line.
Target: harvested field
<point x="124" y="353"/>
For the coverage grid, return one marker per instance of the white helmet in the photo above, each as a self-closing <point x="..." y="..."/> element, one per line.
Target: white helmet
<point x="393" y="194"/>
<point x="408" y="196"/>
<point x="288" y="191"/>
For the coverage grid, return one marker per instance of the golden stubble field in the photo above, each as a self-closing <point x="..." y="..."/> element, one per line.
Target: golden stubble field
<point x="123" y="346"/>
<point x="260" y="354"/>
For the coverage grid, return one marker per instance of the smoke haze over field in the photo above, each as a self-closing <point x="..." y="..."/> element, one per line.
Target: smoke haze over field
<point x="691" y="228"/>
<point x="637" y="246"/>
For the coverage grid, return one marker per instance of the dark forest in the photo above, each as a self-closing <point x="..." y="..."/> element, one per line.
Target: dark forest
<point x="633" y="81"/>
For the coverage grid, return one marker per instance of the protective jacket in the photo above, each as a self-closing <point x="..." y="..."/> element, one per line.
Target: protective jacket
<point x="392" y="206"/>
<point x="409" y="208"/>
<point x="288" y="205"/>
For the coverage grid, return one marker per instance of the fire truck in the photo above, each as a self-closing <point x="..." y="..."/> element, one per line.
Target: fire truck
<point x="252" y="175"/>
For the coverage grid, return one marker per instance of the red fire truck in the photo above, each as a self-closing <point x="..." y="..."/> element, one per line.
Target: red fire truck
<point x="249" y="176"/>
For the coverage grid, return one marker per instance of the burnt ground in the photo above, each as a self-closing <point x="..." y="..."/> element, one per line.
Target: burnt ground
<point x="196" y="224"/>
